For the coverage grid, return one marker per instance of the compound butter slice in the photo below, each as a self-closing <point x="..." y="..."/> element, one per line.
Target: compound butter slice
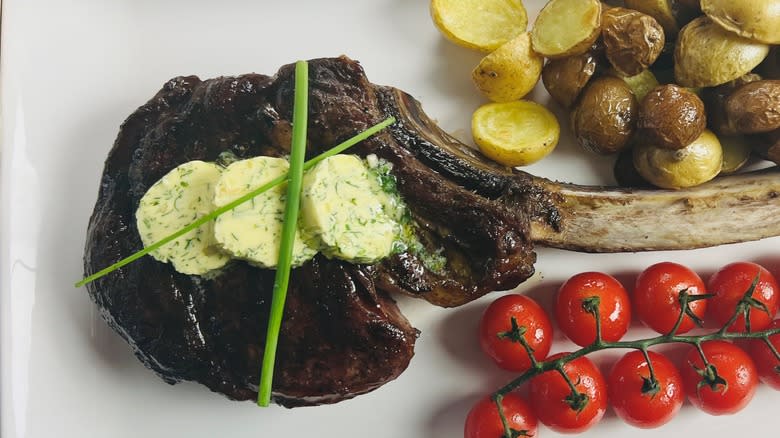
<point x="345" y="207"/>
<point x="179" y="198"/>
<point x="252" y="231"/>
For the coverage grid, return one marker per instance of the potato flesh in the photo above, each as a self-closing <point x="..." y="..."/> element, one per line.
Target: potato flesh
<point x="706" y="55"/>
<point x="479" y="24"/>
<point x="566" y="27"/>
<point x="755" y="19"/>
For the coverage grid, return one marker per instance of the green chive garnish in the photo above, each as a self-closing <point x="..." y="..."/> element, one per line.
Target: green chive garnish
<point x="290" y="225"/>
<point x="227" y="207"/>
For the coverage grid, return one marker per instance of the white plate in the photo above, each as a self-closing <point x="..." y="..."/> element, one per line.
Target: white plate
<point x="72" y="71"/>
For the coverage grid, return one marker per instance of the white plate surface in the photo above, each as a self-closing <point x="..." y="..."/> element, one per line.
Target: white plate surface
<point x="73" y="70"/>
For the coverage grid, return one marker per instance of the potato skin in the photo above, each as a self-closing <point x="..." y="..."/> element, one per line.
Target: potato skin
<point x="671" y="117"/>
<point x="565" y="78"/>
<point x="755" y="19"/>
<point x="633" y="40"/>
<point x="767" y="145"/>
<point x="510" y="72"/>
<point x="690" y="166"/>
<point x="707" y="55"/>
<point x="754" y="107"/>
<point x="715" y="104"/>
<point x="604" y="120"/>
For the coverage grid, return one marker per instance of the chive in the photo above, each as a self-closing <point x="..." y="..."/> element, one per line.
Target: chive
<point x="227" y="207"/>
<point x="290" y="225"/>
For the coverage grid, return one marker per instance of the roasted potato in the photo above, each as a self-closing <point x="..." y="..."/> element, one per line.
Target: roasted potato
<point x="565" y="78"/>
<point x="515" y="133"/>
<point x="706" y="55"/>
<point x="633" y="40"/>
<point x="661" y="10"/>
<point x="566" y="27"/>
<point x="671" y="117"/>
<point x="690" y="166"/>
<point x="715" y="103"/>
<point x="754" y="107"/>
<point x="510" y="72"/>
<point x="604" y="119"/>
<point x="767" y="145"/>
<point x="758" y="20"/>
<point x="479" y="24"/>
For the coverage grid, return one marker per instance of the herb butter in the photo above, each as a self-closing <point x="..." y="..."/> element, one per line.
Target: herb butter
<point x="252" y="231"/>
<point x="345" y="206"/>
<point x="179" y="198"/>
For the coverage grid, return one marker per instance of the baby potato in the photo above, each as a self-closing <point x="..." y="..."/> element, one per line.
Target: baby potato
<point x="754" y="107"/>
<point x="690" y="166"/>
<point x="661" y="10"/>
<point x="633" y="40"/>
<point x="565" y="78"/>
<point x="510" y="72"/>
<point x="715" y="103"/>
<point x="605" y="117"/>
<point x="515" y="133"/>
<point x="755" y="19"/>
<point x="706" y="55"/>
<point x="479" y="24"/>
<point x="767" y="145"/>
<point x="566" y="27"/>
<point x="671" y="117"/>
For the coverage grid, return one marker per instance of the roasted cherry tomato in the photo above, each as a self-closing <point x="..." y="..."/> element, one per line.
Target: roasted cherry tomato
<point x="483" y="421"/>
<point x="656" y="296"/>
<point x="577" y="322"/>
<point x="731" y="283"/>
<point x="727" y="392"/>
<point x="766" y="362"/>
<point x="496" y="331"/>
<point x="636" y="398"/>
<point x="551" y="400"/>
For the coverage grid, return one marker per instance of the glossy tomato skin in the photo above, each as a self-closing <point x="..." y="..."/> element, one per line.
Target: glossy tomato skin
<point x="547" y="393"/>
<point x="656" y="296"/>
<point x="733" y="365"/>
<point x="580" y="325"/>
<point x="625" y="383"/>
<point x="765" y="359"/>
<point x="731" y="282"/>
<point x="497" y="319"/>
<point x="483" y="421"/>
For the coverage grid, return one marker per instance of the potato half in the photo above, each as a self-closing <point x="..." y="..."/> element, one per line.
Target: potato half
<point x="515" y="133"/>
<point x="755" y="19"/>
<point x="510" y="72"/>
<point x="479" y="24"/>
<point x="706" y="55"/>
<point x="566" y="27"/>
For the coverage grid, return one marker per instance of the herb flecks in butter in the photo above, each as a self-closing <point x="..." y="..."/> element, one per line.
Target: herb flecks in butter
<point x="179" y="198"/>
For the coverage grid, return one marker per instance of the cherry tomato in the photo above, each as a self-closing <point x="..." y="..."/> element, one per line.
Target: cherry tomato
<point x="578" y="323"/>
<point x="735" y="368"/>
<point x="656" y="296"/>
<point x="731" y="283"/>
<point x="496" y="326"/>
<point x="483" y="420"/>
<point x="548" y="393"/>
<point x="633" y="397"/>
<point x="766" y="362"/>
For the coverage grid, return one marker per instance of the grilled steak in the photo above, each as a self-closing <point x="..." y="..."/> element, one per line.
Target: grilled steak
<point x="342" y="334"/>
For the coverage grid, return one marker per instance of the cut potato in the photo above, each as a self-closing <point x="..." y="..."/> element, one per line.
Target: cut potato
<point x="510" y="72"/>
<point x="706" y="55"/>
<point x="755" y="19"/>
<point x="690" y="166"/>
<point x="479" y="24"/>
<point x="515" y="133"/>
<point x="252" y="231"/>
<point x="566" y="27"/>
<point x="736" y="153"/>
<point x="661" y="10"/>
<point x="565" y="78"/>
